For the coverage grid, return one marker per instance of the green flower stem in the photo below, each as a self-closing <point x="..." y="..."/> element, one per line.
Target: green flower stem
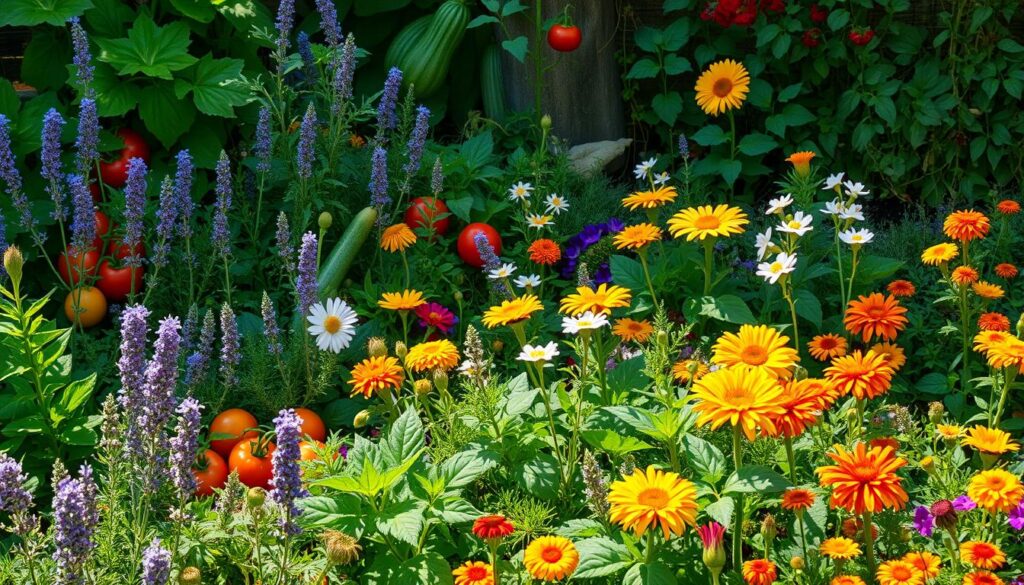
<point x="737" y="524"/>
<point x="791" y="458"/>
<point x="1008" y="376"/>
<point x="788" y="295"/>
<point x="869" y="545"/>
<point x="642" y="252"/>
<point x="965" y="335"/>
<point x="709" y="249"/>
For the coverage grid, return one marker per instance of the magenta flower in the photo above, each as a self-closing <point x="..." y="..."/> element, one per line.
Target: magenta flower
<point x="964" y="504"/>
<point x="712" y="534"/>
<point x="1016" y="517"/>
<point x="924" y="522"/>
<point x="436" y="316"/>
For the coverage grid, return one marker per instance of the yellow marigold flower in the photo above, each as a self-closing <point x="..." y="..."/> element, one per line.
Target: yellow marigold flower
<point x="551" y="558"/>
<point x="432" y="355"/>
<point x="827" y="346"/>
<point x="698" y="223"/>
<point x="984" y="341"/>
<point x="650" y="199"/>
<point x="637" y="236"/>
<point x="744" y="398"/>
<point x="758" y="347"/>
<point x="949" y="432"/>
<point x="966" y="225"/>
<point x="653" y="498"/>
<point x="991" y="441"/>
<point x="406" y="300"/>
<point x="397" y="238"/>
<point x="939" y="254"/>
<point x="984" y="555"/>
<point x="1005" y="351"/>
<point x="600" y="300"/>
<point x="374" y="374"/>
<point x="894" y="355"/>
<point x="840" y="548"/>
<point x="929" y="564"/>
<point x="899" y="572"/>
<point x="681" y="370"/>
<point x="724" y="86"/>
<point x="996" y="490"/>
<point x="512" y="311"/>
<point x="631" y="330"/>
<point x="987" y="290"/>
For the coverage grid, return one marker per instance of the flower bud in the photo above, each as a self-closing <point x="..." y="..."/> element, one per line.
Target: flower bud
<point x="421" y="387"/>
<point x="1020" y="326"/>
<point x="662" y="338"/>
<point x="190" y="576"/>
<point x="325" y="220"/>
<point x="545" y="122"/>
<point x="341" y="548"/>
<point x="377" y="347"/>
<point x="852" y="417"/>
<point x="362" y="417"/>
<point x="497" y="345"/>
<point x="13" y="262"/>
<point x="255" y="497"/>
<point x="928" y="464"/>
<point x="458" y="296"/>
<point x="935" y="412"/>
<point x="441" y="380"/>
<point x="799" y="373"/>
<point x="768" y="529"/>
<point x="400" y="350"/>
<point x="797" y="563"/>
<point x="945" y="515"/>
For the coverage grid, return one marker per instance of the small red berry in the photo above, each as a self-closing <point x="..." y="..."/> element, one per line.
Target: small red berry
<point x="811" y="38"/>
<point x="818" y="14"/>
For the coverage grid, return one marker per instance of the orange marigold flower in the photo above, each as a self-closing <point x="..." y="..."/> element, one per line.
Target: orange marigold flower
<point x="985" y="340"/>
<point x="982" y="578"/>
<point x="374" y="374"/>
<point x="797" y="499"/>
<point x="632" y="330"/>
<point x="996" y="490"/>
<point x="901" y="288"/>
<point x="984" y="555"/>
<point x="987" y="290"/>
<point x="964" y="275"/>
<point x="544" y="252"/>
<point x="864" y="479"/>
<point x="827" y="346"/>
<point x="925" y="562"/>
<point x="681" y="370"/>
<point x="875" y="316"/>
<point x="492" y="526"/>
<point x="1008" y="207"/>
<point x="993" y="322"/>
<point x="894" y="355"/>
<point x="885" y="442"/>
<point x="898" y="572"/>
<point x="759" y="572"/>
<point x="966" y="225"/>
<point x="990" y="441"/>
<point x="473" y="573"/>
<point x="743" y="398"/>
<point x="1006" y="270"/>
<point x="863" y="375"/>
<point x="846" y="580"/>
<point x="1002" y="349"/>
<point x="841" y="548"/>
<point x="801" y="162"/>
<point x="801" y="402"/>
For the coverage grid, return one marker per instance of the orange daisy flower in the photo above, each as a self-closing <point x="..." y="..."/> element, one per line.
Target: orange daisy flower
<point x="827" y="346"/>
<point x="375" y="374"/>
<point x="743" y="398"/>
<point x="993" y="322"/>
<point x="759" y="572"/>
<point x="964" y="275"/>
<point x="898" y="572"/>
<point x="492" y="526"/>
<point x="990" y="441"/>
<point x="1008" y="207"/>
<point x="925" y="562"/>
<point x="894" y="356"/>
<point x="473" y="573"/>
<point x="985" y="340"/>
<point x="681" y="370"/>
<point x="901" y="288"/>
<point x="983" y="555"/>
<point x="1007" y="352"/>
<point x="544" y="252"/>
<point x="632" y="330"/>
<point x="885" y="442"/>
<point x="864" y="480"/>
<point x="987" y="290"/>
<point x="996" y="490"/>
<point x="982" y="578"/>
<point x="846" y="580"/>
<point x="1006" y="270"/>
<point x="863" y="375"/>
<point x="802" y="403"/>
<point x="966" y="225"/>
<point x="797" y="499"/>
<point x="875" y="316"/>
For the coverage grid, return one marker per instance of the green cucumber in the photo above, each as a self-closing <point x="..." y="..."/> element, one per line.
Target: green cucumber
<point x="491" y="86"/>
<point x="425" y="64"/>
<point x="334" y="269"/>
<point x="405" y="39"/>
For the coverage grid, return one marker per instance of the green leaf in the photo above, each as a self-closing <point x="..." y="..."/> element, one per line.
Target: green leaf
<point x="404" y="439"/>
<point x="1009" y="45"/>
<point x="114" y="96"/>
<point x="668" y="106"/>
<point x="402" y="520"/>
<point x="873" y="268"/>
<point x="36" y="12"/>
<point x="79" y="433"/>
<point x="217" y="86"/>
<point x="517" y="402"/>
<point x="797" y="115"/>
<point x="721" y="511"/>
<point x="465" y="467"/>
<point x="728" y="308"/>
<point x="9" y="101"/>
<point x="838" y="18"/>
<point x="339" y="511"/>
<point x="76" y="394"/>
<point x="808" y="306"/>
<point x="704" y="458"/>
<point x="675" y="35"/>
<point x="710" y="136"/>
<point x="886" y="109"/>
<point x="653" y="573"/>
<point x="790" y="92"/>
<point x="627" y="272"/>
<point x="425" y="569"/>
<point x="43" y="63"/>
<point x="648" y="39"/>
<point x="755" y="143"/>
<point x="517" y="47"/>
<point x="371" y="7"/>
<point x="600" y="557"/>
<point x="613" y="443"/>
<point x="457" y="511"/>
<point x="149" y="49"/>
<point x="643" y="69"/>
<point x="676" y="64"/>
<point x="201" y="10"/>
<point x="164" y="115"/>
<point x="730" y="170"/>
<point x="482" y="20"/>
<point x="755" y="479"/>
<point x="539" y="476"/>
<point x="933" y="383"/>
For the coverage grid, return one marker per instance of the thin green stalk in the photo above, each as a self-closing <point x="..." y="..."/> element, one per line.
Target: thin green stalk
<point x="869" y="545"/>
<point x="791" y="458"/>
<point x="737" y="525"/>
<point x="647" y="274"/>
<point x="965" y="325"/>
<point x="709" y="249"/>
<point x="1008" y="376"/>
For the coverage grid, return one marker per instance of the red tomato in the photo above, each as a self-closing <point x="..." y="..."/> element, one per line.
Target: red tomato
<point x="80" y="264"/>
<point x="235" y="422"/>
<point x="423" y="210"/>
<point x="564" y="38"/>
<point x="115" y="172"/>
<point x="94" y="190"/>
<point x="102" y="229"/>
<point x="312" y="425"/>
<point x="116" y="283"/>
<point x="213" y="476"/>
<point x="254" y="470"/>
<point x="307" y="452"/>
<point x="467" y="246"/>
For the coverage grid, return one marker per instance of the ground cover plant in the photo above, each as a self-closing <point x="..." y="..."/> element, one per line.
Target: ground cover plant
<point x="346" y="352"/>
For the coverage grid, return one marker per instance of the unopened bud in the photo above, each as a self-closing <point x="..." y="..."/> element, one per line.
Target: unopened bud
<point x="362" y="417"/>
<point x="1020" y="326"/>
<point x="13" y="262"/>
<point x="768" y="529"/>
<point x="852" y="417"/>
<point x="255" y="497"/>
<point x="662" y="338"/>
<point x="799" y="373"/>
<point x="935" y="412"/>
<point x="545" y="122"/>
<point x="421" y="387"/>
<point x="928" y="464"/>
<point x="458" y="296"/>
<point x="377" y="347"/>
<point x="341" y="548"/>
<point x="497" y="345"/>
<point x="400" y="350"/>
<point x="190" y="576"/>
<point x="797" y="563"/>
<point x="325" y="220"/>
<point x="441" y="380"/>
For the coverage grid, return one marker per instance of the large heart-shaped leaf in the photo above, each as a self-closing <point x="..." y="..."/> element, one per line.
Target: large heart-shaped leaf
<point x="216" y="85"/>
<point x="149" y="49"/>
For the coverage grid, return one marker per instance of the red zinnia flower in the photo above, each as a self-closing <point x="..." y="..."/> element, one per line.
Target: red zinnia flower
<point x="1008" y="207"/>
<point x="436" y="316"/>
<point x="1006" y="270"/>
<point x="492" y="526"/>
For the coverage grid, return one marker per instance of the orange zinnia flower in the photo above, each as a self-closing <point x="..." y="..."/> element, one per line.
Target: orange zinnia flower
<point x="996" y="490"/>
<point x="983" y="555"/>
<point x="925" y="562"/>
<point x="1006" y="270"/>
<point x="863" y="375"/>
<point x="375" y="374"/>
<point x="982" y="578"/>
<point x="964" y="275"/>
<point x="827" y="346"/>
<point x="545" y="252"/>
<point x="797" y="499"/>
<point x="966" y="225"/>
<point x="885" y="442"/>
<point x="987" y="290"/>
<point x="1008" y="207"/>
<point x="901" y="288"/>
<point x="864" y="480"/>
<point x="993" y="322"/>
<point x="894" y="356"/>
<point x="875" y="316"/>
<point x="759" y="572"/>
<point x="802" y="403"/>
<point x="473" y="573"/>
<point x="492" y="526"/>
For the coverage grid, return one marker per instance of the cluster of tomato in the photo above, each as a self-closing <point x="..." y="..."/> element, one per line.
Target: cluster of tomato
<point x="98" y="275"/>
<point x="432" y="214"/>
<point x="236" y="444"/>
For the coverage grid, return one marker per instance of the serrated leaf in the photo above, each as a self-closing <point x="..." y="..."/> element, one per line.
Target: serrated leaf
<point x="653" y="573"/>
<point x="164" y="115"/>
<point x="148" y="49"/>
<point x="36" y="12"/>
<point x="402" y="520"/>
<point x="217" y="86"/>
<point x="721" y="510"/>
<point x="404" y="439"/>
<point x="643" y="69"/>
<point x="613" y="443"/>
<point x="600" y="557"/>
<point x="465" y="467"/>
<point x="755" y="479"/>
<point x="728" y="308"/>
<point x="114" y="96"/>
<point x="704" y="458"/>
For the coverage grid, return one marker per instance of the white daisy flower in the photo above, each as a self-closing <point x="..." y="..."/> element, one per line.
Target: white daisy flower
<point x="833" y="181"/>
<point x="764" y="244"/>
<point x="527" y="281"/>
<point x="520" y="191"/>
<point x="643" y="169"/>
<point x="800" y="224"/>
<point x="333" y="325"/>
<point x="585" y="322"/>
<point x="661" y="179"/>
<point x="777" y="205"/>
<point x="852" y="212"/>
<point x="855" y="189"/>
<point x="834" y="207"/>
<point x="535" y="220"/>
<point x="556" y="203"/>
<point x="538" y="353"/>
<point x="503" y="271"/>
<point x="783" y="264"/>
<point x="856" y="237"/>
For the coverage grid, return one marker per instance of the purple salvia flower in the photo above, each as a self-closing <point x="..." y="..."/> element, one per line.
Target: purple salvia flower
<point x="306" y="149"/>
<point x="437" y="177"/>
<point x="197" y="365"/>
<point x="188" y="329"/>
<point x="183" y="193"/>
<point x="134" y="208"/>
<point x="343" y="75"/>
<point x="285" y="21"/>
<point x="287" y="480"/>
<point x="329" y="22"/>
<point x="185" y="447"/>
<point x="486" y="251"/>
<point x="74" y="518"/>
<point x="264" y="145"/>
<point x="284" y="241"/>
<point x="417" y="140"/>
<point x="230" y="352"/>
<point x="132" y="369"/>
<point x="156" y="564"/>
<point x="87" y="143"/>
<point x="308" y="60"/>
<point x="158" y="399"/>
<point x="306" y="281"/>
<point x="167" y="216"/>
<point x="83" y="218"/>
<point x="83" y="58"/>
<point x="386" y="118"/>
<point x="924" y="522"/>
<point x="220" y="236"/>
<point x="15" y="500"/>
<point x="270" y="328"/>
<point x="50" y="166"/>
<point x="684" y="147"/>
<point x="11" y="177"/>
<point x="379" y="178"/>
